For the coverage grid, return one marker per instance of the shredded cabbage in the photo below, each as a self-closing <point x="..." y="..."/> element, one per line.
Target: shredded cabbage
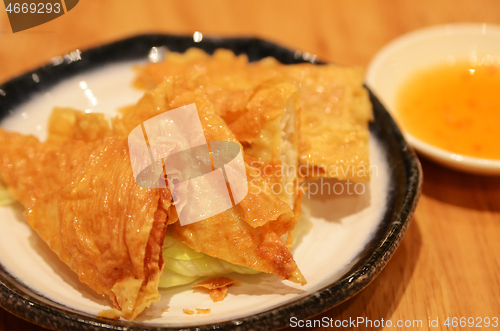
<point x="5" y="197"/>
<point x="183" y="265"/>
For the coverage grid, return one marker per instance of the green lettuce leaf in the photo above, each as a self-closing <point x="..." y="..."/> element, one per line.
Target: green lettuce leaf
<point x="5" y="197"/>
<point x="183" y="265"/>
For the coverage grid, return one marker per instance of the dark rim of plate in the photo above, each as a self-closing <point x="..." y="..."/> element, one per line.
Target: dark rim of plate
<point x="405" y="172"/>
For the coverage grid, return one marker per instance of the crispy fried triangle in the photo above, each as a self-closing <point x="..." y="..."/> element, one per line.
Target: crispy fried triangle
<point x="252" y="229"/>
<point x="335" y="108"/>
<point x="334" y="120"/>
<point x="82" y="199"/>
<point x="263" y="115"/>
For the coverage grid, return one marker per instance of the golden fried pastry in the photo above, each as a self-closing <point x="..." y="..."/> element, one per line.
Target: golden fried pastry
<point x="334" y="106"/>
<point x="263" y="114"/>
<point x="258" y="229"/>
<point x="82" y="199"/>
<point x="220" y="67"/>
<point x="334" y="121"/>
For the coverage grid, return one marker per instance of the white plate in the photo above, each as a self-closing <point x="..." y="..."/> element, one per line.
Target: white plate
<point x="348" y="240"/>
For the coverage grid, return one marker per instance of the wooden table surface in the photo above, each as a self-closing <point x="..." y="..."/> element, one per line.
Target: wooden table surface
<point x="448" y="262"/>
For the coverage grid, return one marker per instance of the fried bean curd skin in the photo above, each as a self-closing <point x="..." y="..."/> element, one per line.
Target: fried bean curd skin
<point x="82" y="199"/>
<point x="257" y="221"/>
<point x="335" y="108"/>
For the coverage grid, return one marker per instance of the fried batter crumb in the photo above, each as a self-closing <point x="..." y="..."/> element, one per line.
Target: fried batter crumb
<point x="188" y="311"/>
<point x="203" y="310"/>
<point x="164" y="310"/>
<point x="216" y="287"/>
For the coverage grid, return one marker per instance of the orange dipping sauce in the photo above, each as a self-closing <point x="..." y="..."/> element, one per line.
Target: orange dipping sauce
<point x="456" y="108"/>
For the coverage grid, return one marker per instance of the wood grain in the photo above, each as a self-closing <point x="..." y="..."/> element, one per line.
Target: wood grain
<point x="448" y="263"/>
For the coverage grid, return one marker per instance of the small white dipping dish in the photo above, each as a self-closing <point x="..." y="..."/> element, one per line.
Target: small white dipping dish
<point x="396" y="62"/>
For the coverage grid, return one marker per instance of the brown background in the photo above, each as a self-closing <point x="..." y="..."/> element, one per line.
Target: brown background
<point x="448" y="262"/>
